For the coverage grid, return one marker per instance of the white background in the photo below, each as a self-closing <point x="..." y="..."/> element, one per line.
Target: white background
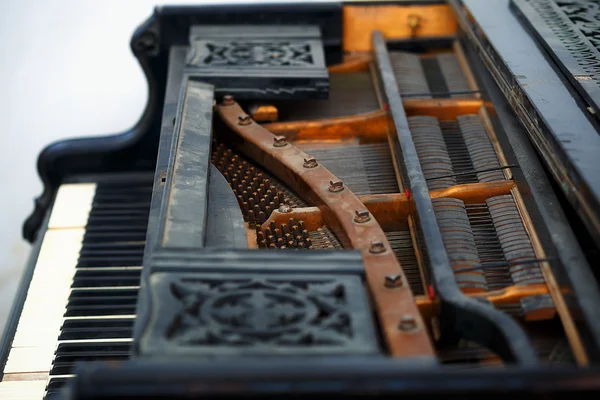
<point x="66" y="70"/>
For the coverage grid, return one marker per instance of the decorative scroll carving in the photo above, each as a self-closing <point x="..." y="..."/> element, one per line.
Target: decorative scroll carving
<point x="570" y="31"/>
<point x="207" y="314"/>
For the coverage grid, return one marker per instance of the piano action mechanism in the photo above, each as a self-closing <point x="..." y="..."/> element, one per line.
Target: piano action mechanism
<point x="369" y="198"/>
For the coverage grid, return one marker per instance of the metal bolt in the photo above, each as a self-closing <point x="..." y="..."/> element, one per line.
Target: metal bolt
<point x="392" y="281"/>
<point x="336" y="186"/>
<point x="377" y="247"/>
<point x="228" y="100"/>
<point x="279" y="141"/>
<point x="361" y="216"/>
<point x="407" y="323"/>
<point x="310" y="162"/>
<point x="244" y="120"/>
<point x="285" y="209"/>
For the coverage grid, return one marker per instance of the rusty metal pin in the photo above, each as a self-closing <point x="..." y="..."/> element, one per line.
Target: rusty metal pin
<point x="377" y="247"/>
<point x="361" y="216"/>
<point x="407" y="323"/>
<point x="244" y="120"/>
<point x="279" y="141"/>
<point x="310" y="162"/>
<point x="336" y="186"/>
<point x="228" y="100"/>
<point x="392" y="281"/>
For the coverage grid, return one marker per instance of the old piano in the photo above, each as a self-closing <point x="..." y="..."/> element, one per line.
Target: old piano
<point x="384" y="198"/>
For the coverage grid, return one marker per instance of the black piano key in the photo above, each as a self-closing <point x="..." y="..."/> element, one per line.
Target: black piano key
<point x="112" y="253"/>
<point x="96" y="333"/>
<point x="115" y="245"/>
<point x="114" y="279"/>
<point x="76" y="352"/>
<point x="115" y="309"/>
<point x="100" y="328"/>
<point x="109" y="261"/>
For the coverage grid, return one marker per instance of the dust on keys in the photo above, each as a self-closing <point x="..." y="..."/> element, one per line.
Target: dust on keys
<point x="80" y="305"/>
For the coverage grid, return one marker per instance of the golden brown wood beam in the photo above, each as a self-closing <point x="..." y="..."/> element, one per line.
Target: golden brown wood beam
<point x="442" y="109"/>
<point x="507" y="296"/>
<point x="370" y="126"/>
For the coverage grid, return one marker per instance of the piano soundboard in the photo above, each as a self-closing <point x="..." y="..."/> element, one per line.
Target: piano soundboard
<point x="384" y="198"/>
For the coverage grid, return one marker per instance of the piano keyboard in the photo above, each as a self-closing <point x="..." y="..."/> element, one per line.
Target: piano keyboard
<point x="80" y="305"/>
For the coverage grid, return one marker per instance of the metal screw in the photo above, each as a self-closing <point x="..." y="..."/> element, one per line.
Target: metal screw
<point x="377" y="247"/>
<point x="361" y="216"/>
<point x="228" y="100"/>
<point x="392" y="281"/>
<point x="244" y="120"/>
<point x="279" y="141"/>
<point x="285" y="209"/>
<point x="336" y="186"/>
<point x="310" y="162"/>
<point x="407" y="323"/>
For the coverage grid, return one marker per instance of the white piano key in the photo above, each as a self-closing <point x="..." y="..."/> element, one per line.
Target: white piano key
<point x="72" y="206"/>
<point x="22" y="390"/>
<point x="29" y="359"/>
<point x="36" y="337"/>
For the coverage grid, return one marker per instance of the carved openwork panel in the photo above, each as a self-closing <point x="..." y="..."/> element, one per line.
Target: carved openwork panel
<point x="570" y="32"/>
<point x="219" y="314"/>
<point x="250" y="54"/>
<point x="259" y="61"/>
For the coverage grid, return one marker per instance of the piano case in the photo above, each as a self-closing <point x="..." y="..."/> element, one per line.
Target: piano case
<point x="357" y="199"/>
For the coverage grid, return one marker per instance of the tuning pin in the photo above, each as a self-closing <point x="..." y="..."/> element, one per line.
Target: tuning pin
<point x="262" y="217"/>
<point x="284" y="229"/>
<point x="262" y="244"/>
<point x="279" y="242"/>
<point x="260" y="236"/>
<point x="308" y="242"/>
<point x="301" y="225"/>
<point x="246" y="210"/>
<point x="277" y="233"/>
<point x="273" y="226"/>
<point x="305" y="234"/>
<point x="270" y="239"/>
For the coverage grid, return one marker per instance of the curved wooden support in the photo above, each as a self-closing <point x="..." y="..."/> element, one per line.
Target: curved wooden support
<point x="357" y="62"/>
<point x="371" y="126"/>
<point x="404" y="330"/>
